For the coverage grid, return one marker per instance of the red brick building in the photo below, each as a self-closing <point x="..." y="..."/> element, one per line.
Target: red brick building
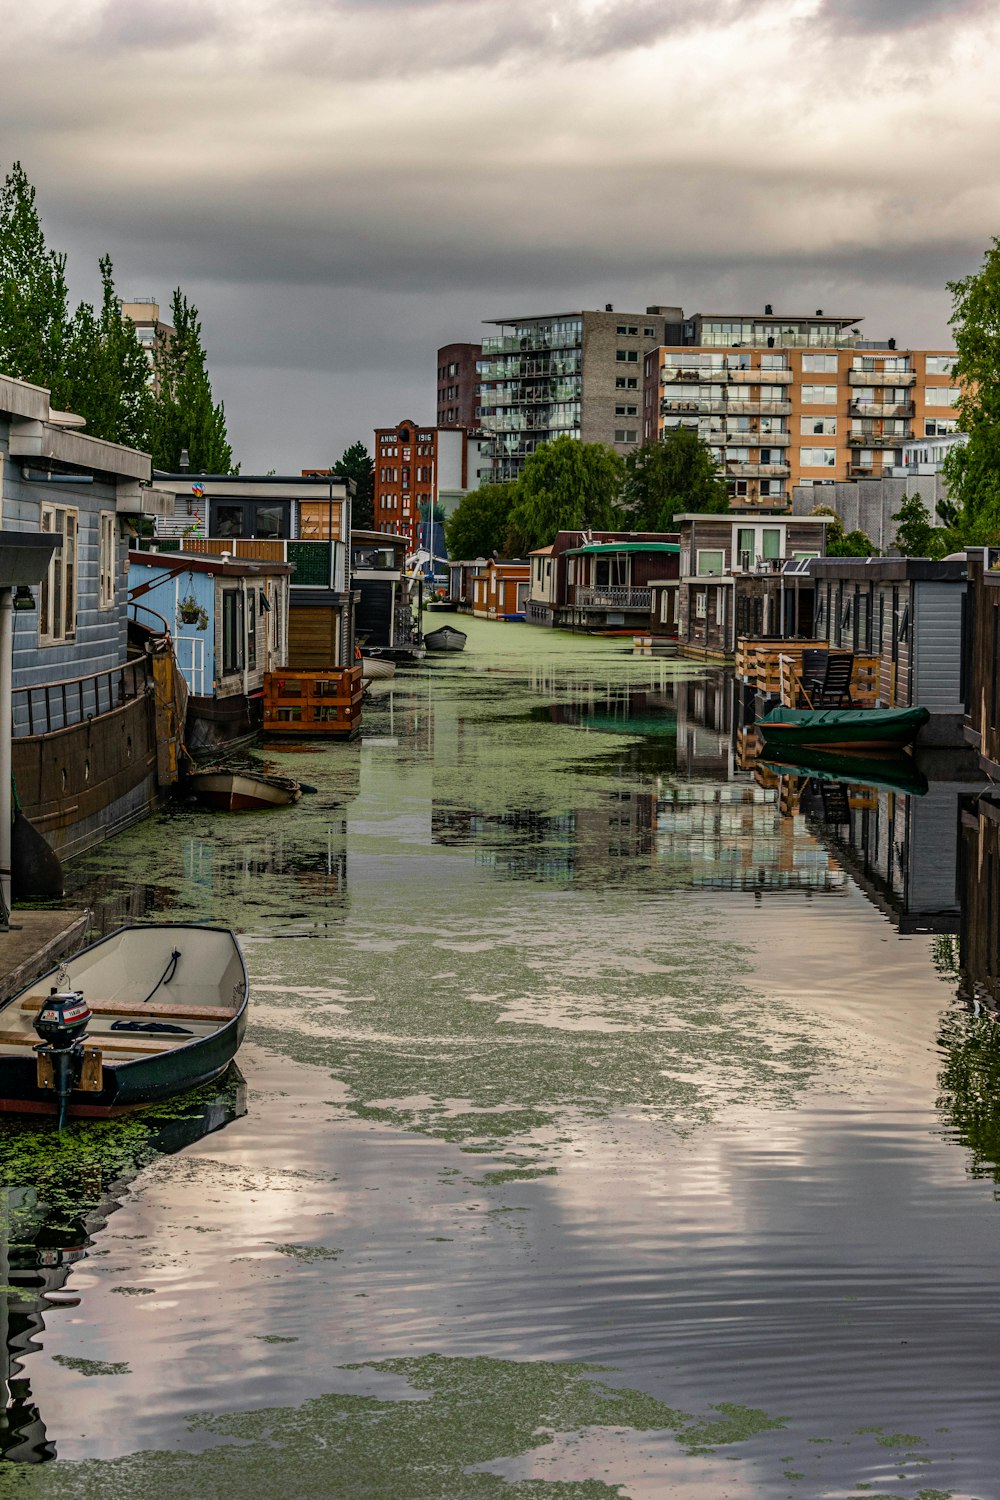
<point x="417" y="466"/>
<point x="458" y="385"/>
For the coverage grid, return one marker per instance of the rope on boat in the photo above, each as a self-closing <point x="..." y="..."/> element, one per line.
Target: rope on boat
<point x="167" y="974"/>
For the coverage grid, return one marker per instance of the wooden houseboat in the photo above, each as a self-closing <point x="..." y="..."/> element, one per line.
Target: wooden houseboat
<point x="228" y="619"/>
<point x="907" y="612"/>
<point x="500" y="590"/>
<point x="461" y="581"/>
<point x="91" y="750"/>
<point x="720" y="555"/>
<point x="627" y="586"/>
<point x="303" y="521"/>
<point x="385" y="618"/>
<point x="981" y="658"/>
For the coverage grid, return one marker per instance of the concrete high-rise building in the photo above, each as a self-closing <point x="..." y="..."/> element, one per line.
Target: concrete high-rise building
<point x="458" y="386"/>
<point x="795" y="401"/>
<point x="144" y="312"/>
<point x="574" y="373"/>
<point x="422" y="467"/>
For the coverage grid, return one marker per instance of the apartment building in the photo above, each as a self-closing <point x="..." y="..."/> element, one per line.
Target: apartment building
<point x="578" y="374"/>
<point x="422" y="467"/>
<point x="458" y="386"/>
<point x="144" y="312"/>
<point x="795" y="401"/>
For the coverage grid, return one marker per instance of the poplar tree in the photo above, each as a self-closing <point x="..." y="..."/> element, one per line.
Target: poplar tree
<point x="107" y="371"/>
<point x="34" y="315"/>
<point x="356" y="463"/>
<point x="184" y="414"/>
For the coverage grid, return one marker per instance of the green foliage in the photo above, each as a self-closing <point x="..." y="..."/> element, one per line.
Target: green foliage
<point x="841" y="543"/>
<point x="34" y="308"/>
<point x="107" y="370"/>
<point x="915" y="536"/>
<point x="666" y="478"/>
<point x="481" y="522"/>
<point x="972" y="471"/>
<point x="184" y="414"/>
<point x="567" y="485"/>
<point x="356" y="463"/>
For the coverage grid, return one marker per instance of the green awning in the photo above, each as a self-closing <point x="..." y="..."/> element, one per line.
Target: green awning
<point x="607" y="549"/>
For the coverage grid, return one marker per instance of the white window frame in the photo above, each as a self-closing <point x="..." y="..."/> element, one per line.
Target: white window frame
<point x="106" y="559"/>
<point x="821" y="395"/>
<point x="719" y="552"/>
<point x="64" y="570"/>
<point x="701" y="604"/>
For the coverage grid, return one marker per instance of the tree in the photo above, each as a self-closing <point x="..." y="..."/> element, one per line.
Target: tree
<point x="666" y="478"/>
<point x="34" y="309"/>
<point x="356" y="463"/>
<point x="184" y="414"/>
<point x="480" y="523"/>
<point x="915" y="536"/>
<point x="972" y="470"/>
<point x="844" y="544"/>
<point x="567" y="485"/>
<point x="107" y="371"/>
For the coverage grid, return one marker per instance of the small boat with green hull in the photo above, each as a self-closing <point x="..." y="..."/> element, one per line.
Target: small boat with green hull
<point x="892" y="770"/>
<point x="857" y="729"/>
<point x="141" y="1015"/>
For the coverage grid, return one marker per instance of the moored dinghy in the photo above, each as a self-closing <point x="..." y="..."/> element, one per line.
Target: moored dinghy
<point x="446" y="639"/>
<point x="234" y="790"/>
<point x="842" y="728"/>
<point x="141" y="1015"/>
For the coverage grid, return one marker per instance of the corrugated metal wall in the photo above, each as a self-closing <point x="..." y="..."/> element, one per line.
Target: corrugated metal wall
<point x="936" y="636"/>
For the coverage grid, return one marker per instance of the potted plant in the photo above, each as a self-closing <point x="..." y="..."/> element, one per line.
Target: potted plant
<point x="190" y="612"/>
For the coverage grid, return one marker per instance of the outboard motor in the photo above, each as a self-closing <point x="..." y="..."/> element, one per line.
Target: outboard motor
<point x="62" y="1024"/>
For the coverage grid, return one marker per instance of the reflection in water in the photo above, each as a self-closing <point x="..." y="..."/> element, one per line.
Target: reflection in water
<point x="57" y="1193"/>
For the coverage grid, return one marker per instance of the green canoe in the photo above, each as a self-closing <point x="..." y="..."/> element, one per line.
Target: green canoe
<point x="842" y="728"/>
<point x="894" y="769"/>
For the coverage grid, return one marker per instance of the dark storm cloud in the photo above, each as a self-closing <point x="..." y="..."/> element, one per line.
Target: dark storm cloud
<point x="895" y="15"/>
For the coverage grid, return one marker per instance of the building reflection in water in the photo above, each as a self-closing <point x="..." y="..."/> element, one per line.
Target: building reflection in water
<point x="53" y="1204"/>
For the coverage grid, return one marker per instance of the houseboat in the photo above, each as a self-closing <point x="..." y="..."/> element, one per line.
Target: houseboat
<point x="500" y="590"/>
<point x="981" y="658"/>
<point x="570" y="585"/>
<point x="303" y="521"/>
<point x="720" y="552"/>
<point x="94" y="746"/>
<point x="385" y="617"/>
<point x="907" y="613"/>
<point x="462" y="576"/>
<point x="228" y="620"/>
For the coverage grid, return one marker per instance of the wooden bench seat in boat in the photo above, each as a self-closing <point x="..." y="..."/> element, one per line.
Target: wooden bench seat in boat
<point x="141" y="1044"/>
<point x="137" y="1008"/>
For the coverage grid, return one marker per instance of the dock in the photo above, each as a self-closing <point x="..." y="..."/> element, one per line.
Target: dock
<point x="36" y="941"/>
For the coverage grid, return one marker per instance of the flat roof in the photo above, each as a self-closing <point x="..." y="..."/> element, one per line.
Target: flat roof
<point x="593" y="548"/>
<point x="753" y="317"/>
<point x="890" y="569"/>
<point x="739" y="517"/>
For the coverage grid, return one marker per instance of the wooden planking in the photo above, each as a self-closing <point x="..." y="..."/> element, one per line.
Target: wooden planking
<point x="147" y="1044"/>
<point x="136" y="1008"/>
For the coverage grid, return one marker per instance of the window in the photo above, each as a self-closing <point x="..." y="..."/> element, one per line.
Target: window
<point x="940" y="364"/>
<point x="767" y="393"/>
<point x="649" y="332"/>
<point x="252" y="629"/>
<point x="820" y="426"/>
<point x="106" y="560"/>
<point x="710" y="563"/>
<point x="818" y="458"/>
<point x="941" y="395"/>
<point x="627" y="356"/>
<point x="745" y="549"/>
<point x="701" y="604"/>
<point x="232" y="631"/>
<point x="824" y="395"/>
<point x="626" y="411"/>
<point x="626" y="434"/>
<point x="767" y="361"/>
<point x="940" y="426"/>
<point x="628" y="328"/>
<point x="57" y="609"/>
<point x="819" y="364"/>
<point x="626" y="383"/>
<point x="252" y="518"/>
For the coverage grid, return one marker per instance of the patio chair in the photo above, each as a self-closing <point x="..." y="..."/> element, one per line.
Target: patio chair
<point x="832" y="689"/>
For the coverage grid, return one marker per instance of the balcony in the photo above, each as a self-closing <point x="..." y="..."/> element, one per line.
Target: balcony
<point x="525" y="343"/>
<point x="614" y="598"/>
<point x="863" y="471"/>
<point x="694" y="375"/>
<point x="744" y="376"/>
<point x="879" y="409"/>
<point x="881" y="377"/>
<point x="877" y="440"/>
<point x="737" y="438"/>
<point x="724" y="408"/>
<point x="739" y="470"/>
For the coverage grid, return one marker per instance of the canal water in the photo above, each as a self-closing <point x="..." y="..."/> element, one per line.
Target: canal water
<point x="612" y="1121"/>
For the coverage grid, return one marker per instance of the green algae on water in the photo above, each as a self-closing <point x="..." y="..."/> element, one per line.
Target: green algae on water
<point x="92" y="1367"/>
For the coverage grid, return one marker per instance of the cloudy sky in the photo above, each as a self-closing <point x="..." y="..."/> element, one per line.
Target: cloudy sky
<point x="343" y="185"/>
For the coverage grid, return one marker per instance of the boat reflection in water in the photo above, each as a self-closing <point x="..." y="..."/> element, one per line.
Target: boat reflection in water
<point x="53" y="1202"/>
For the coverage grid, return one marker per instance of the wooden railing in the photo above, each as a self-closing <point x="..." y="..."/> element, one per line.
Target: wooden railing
<point x="614" y="598"/>
<point x="759" y="664"/>
<point x="59" y="705"/>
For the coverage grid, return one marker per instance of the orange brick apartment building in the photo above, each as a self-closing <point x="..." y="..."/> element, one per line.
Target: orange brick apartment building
<point x="795" y="401"/>
<point x="417" y="466"/>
